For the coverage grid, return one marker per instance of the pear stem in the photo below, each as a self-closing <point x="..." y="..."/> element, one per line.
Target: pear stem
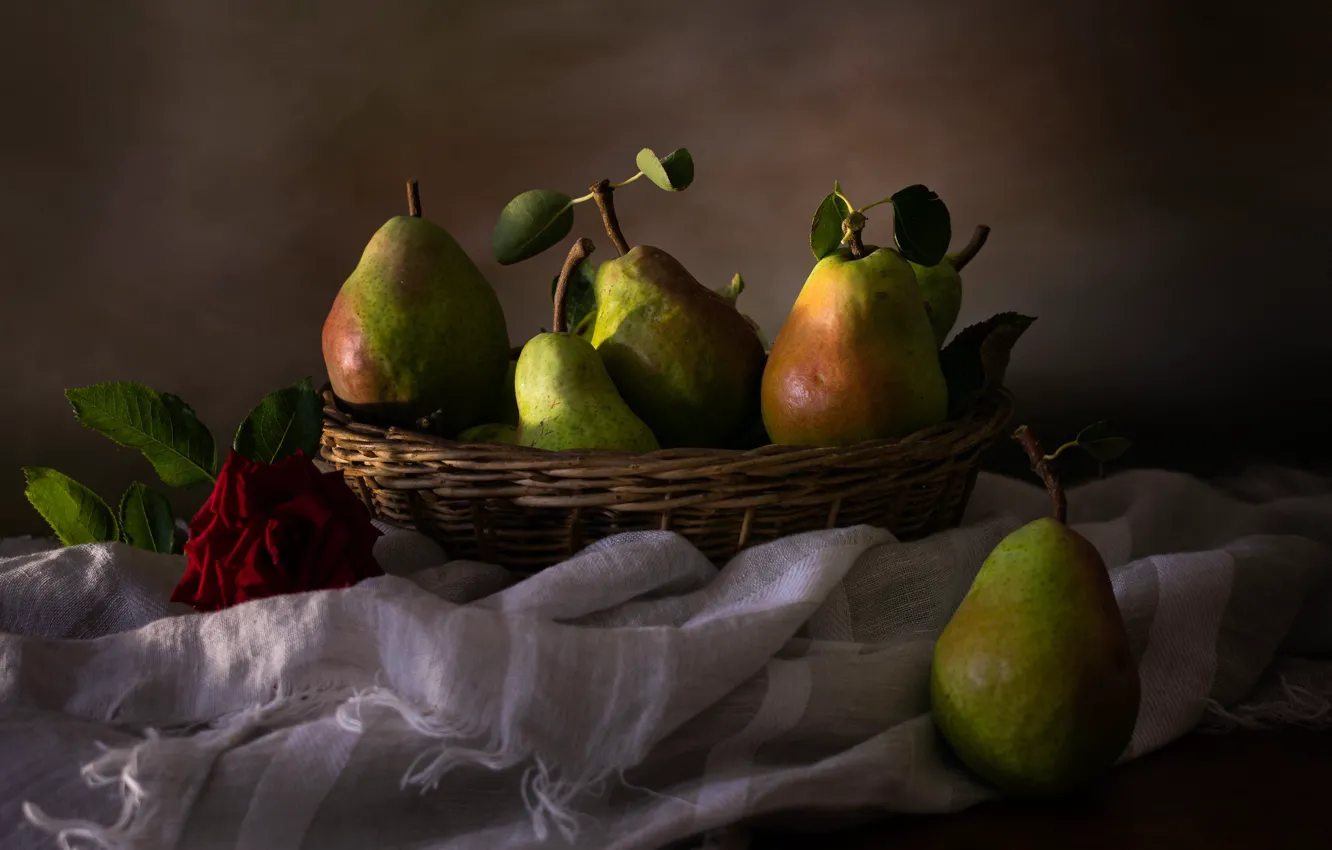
<point x="851" y="226"/>
<point x="857" y="247"/>
<point x="579" y="252"/>
<point x="413" y="199"/>
<point x="1042" y="466"/>
<point x="601" y="193"/>
<point x="969" y="253"/>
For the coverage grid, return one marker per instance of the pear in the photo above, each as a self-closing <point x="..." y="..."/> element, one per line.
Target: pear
<point x="566" y="398"/>
<point x="416" y="330"/>
<point x="491" y="432"/>
<point x="1033" y="683"/>
<point x="941" y="286"/>
<point x="684" y="359"/>
<point x="856" y="358"/>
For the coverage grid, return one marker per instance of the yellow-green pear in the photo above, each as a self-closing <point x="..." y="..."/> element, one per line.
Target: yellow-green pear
<point x="566" y="398"/>
<point x="416" y="330"/>
<point x="856" y="358"/>
<point x="1033" y="683"/>
<point x="683" y="357"/>
<point x="941" y="285"/>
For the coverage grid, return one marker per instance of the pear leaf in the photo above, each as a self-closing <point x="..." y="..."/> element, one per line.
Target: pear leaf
<point x="160" y="425"/>
<point x="76" y="514"/>
<point x="825" y="233"/>
<point x="976" y="360"/>
<point x="673" y="172"/>
<point x="146" y="520"/>
<point x="580" y="301"/>
<point x="285" y="420"/>
<point x="531" y="223"/>
<point x="922" y="227"/>
<point x="1098" y="441"/>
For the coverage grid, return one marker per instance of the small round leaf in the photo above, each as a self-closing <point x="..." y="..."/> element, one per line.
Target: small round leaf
<point x="531" y="223"/>
<point x="1101" y="443"/>
<point x="922" y="228"/>
<point x="1111" y="448"/>
<point x="825" y="232"/>
<point x="1093" y="432"/>
<point x="673" y="172"/>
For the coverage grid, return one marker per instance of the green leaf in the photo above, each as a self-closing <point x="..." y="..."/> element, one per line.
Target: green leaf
<point x="825" y="232"/>
<point x="146" y="520"/>
<point x="76" y="514"/>
<point x="1093" y="432"/>
<point x="581" y="299"/>
<point x="673" y="172"/>
<point x="1098" y="441"/>
<point x="160" y="425"/>
<point x="976" y="360"/>
<point x="922" y="228"/>
<point x="531" y="223"/>
<point x="285" y="420"/>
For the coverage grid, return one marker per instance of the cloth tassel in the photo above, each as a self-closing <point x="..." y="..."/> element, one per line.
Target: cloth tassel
<point x="1301" y="707"/>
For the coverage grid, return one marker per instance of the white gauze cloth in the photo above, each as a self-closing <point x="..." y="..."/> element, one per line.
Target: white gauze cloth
<point x="634" y="696"/>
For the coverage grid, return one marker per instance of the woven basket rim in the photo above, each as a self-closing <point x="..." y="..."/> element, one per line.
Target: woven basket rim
<point x="529" y="508"/>
<point x="982" y="416"/>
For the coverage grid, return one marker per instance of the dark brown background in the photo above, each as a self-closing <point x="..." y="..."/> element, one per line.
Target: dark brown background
<point x="186" y="184"/>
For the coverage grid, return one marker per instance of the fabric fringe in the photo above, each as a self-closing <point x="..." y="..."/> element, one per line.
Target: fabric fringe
<point x="656" y="795"/>
<point x="119" y="766"/>
<point x="549" y="799"/>
<point x="439" y="759"/>
<point x="124" y="766"/>
<point x="1301" y="707"/>
<point x="547" y="796"/>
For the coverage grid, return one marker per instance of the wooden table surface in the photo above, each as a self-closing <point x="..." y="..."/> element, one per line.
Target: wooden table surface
<point x="1262" y="790"/>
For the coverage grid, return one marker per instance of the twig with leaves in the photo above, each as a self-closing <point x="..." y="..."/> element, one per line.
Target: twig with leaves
<point x="1096" y="440"/>
<point x="922" y="226"/>
<point x="540" y="218"/>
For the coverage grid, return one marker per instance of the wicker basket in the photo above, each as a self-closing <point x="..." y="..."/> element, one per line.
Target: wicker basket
<point x="528" y="508"/>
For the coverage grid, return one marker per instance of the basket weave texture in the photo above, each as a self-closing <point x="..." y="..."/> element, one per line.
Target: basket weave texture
<point x="526" y="508"/>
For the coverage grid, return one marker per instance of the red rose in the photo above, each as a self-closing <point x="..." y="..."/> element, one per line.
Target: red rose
<point x="269" y="529"/>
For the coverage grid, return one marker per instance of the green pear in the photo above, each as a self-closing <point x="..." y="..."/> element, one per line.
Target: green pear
<point x="941" y="286"/>
<point x="416" y="331"/>
<point x="566" y="398"/>
<point x="1033" y="683"/>
<point x="856" y="358"/>
<point x="491" y="432"/>
<point x="684" y="359"/>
